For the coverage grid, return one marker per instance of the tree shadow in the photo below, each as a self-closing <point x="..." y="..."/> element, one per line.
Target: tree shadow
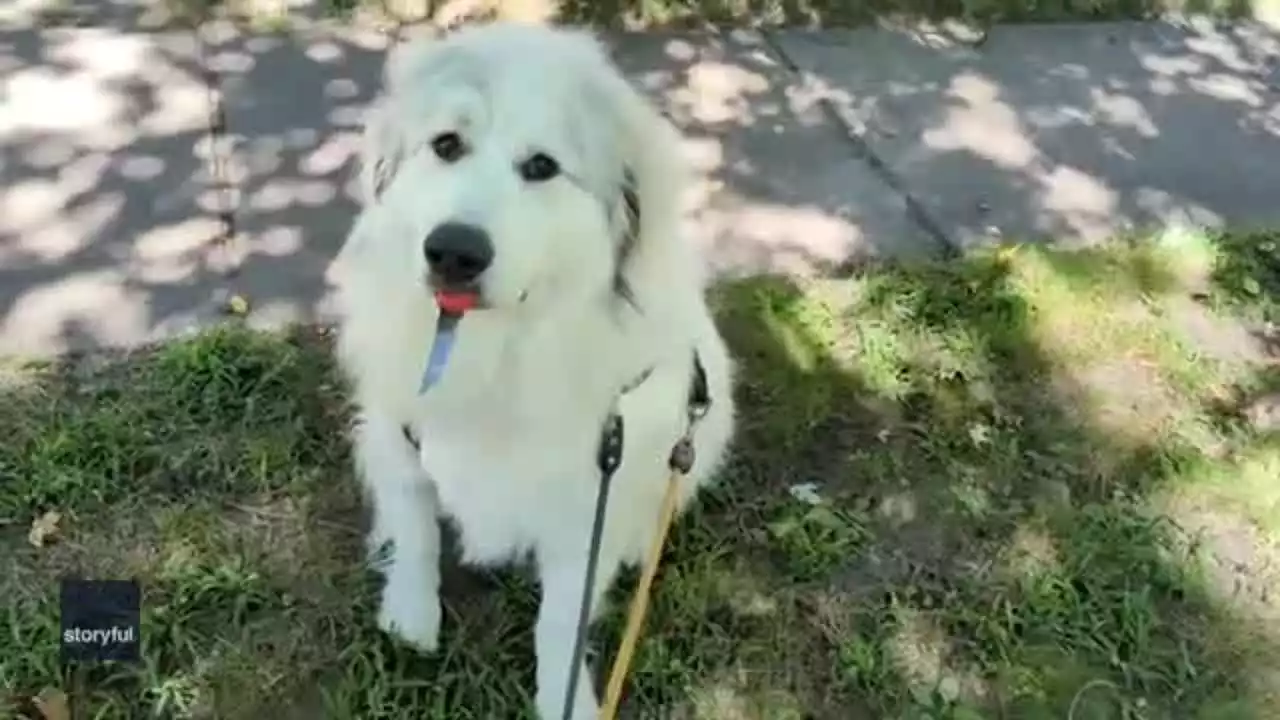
<point x="817" y="13"/>
<point x="926" y="144"/>
<point x="999" y="552"/>
<point x="946" y="461"/>
<point x="982" y="543"/>
<point x="109" y="217"/>
<point x="1060" y="132"/>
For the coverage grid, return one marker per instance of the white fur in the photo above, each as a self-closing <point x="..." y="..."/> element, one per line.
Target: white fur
<point x="509" y="435"/>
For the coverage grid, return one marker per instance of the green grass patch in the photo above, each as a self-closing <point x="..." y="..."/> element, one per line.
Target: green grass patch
<point x="1016" y="485"/>
<point x="685" y="14"/>
<point x="849" y="13"/>
<point x="633" y="14"/>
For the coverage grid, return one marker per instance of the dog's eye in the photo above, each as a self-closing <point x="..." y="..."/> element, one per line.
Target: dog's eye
<point x="448" y="146"/>
<point x="539" y="167"/>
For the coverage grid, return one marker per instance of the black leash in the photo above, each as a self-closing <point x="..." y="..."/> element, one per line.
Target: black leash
<point x="608" y="458"/>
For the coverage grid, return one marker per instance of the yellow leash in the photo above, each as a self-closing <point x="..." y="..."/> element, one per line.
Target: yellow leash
<point x="608" y="458"/>
<point x="640" y="602"/>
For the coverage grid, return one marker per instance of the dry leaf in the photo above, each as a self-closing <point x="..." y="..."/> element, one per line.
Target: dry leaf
<point x="44" y="529"/>
<point x="52" y="704"/>
<point x="238" y="305"/>
<point x="806" y="493"/>
<point x="1006" y="253"/>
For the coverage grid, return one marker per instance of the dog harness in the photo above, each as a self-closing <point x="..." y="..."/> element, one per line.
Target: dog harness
<point x="608" y="458"/>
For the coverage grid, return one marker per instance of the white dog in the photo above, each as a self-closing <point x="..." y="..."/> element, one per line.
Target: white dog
<point x="515" y="162"/>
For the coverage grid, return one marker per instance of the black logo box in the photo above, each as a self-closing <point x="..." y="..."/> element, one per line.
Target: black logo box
<point x="101" y="620"/>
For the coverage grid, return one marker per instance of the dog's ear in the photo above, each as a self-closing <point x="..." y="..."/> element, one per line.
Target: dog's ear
<point x="381" y="154"/>
<point x="647" y="194"/>
<point x="643" y="175"/>
<point x="383" y="148"/>
<point x="629" y="222"/>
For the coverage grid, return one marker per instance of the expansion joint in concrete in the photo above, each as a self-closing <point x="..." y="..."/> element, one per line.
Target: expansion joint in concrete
<point x="916" y="211"/>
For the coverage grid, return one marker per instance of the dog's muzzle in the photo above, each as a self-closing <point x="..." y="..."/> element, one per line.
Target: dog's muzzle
<point x="457" y="254"/>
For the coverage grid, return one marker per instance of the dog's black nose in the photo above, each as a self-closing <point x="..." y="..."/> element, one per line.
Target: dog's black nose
<point x="457" y="253"/>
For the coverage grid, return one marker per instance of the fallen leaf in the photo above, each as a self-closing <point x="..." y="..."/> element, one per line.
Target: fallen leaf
<point x="44" y="529"/>
<point x="52" y="704"/>
<point x="238" y="305"/>
<point x="806" y="493"/>
<point x="979" y="434"/>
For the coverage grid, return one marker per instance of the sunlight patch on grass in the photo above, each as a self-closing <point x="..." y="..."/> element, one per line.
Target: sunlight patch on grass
<point x="922" y="652"/>
<point x="1245" y="485"/>
<point x="1032" y="553"/>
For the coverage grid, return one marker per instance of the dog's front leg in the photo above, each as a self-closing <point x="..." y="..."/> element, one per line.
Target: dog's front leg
<point x="556" y="631"/>
<point x="405" y="513"/>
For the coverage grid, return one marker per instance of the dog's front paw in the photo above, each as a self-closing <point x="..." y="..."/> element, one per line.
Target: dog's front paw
<point x="411" y="615"/>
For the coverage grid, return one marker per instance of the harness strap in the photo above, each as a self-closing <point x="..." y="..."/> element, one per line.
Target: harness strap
<point x="608" y="459"/>
<point x="636" y="382"/>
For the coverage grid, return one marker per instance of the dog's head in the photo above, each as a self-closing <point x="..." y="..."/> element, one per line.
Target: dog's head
<point x="513" y="160"/>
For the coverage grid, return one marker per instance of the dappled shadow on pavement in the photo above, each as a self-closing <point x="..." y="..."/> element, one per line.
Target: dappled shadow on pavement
<point x="117" y="207"/>
<point x="782" y="188"/>
<point x="1063" y="132"/>
<point x="107" y="227"/>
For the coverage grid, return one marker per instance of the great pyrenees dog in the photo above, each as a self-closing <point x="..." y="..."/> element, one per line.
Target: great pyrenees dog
<point x="515" y="162"/>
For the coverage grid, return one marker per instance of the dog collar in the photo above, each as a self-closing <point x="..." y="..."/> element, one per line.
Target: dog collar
<point x="432" y="374"/>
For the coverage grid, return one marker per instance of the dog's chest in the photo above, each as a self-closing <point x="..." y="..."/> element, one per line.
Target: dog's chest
<point x="507" y="484"/>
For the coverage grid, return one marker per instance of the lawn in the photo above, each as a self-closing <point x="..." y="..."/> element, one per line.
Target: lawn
<point x="636" y="14"/>
<point x="1025" y="484"/>
<point x="668" y="14"/>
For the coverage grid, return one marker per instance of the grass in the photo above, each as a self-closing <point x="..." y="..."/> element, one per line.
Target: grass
<point x="1015" y="486"/>
<point x="849" y="13"/>
<point x="656" y="14"/>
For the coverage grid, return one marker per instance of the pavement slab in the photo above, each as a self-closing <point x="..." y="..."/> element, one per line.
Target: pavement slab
<point x="148" y="173"/>
<point x="1069" y="133"/>
<point x="292" y="109"/>
<point x="108" y="227"/>
<point x="123" y="15"/>
<point x="781" y="187"/>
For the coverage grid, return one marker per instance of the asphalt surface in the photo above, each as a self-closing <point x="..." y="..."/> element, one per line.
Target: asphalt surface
<point x="151" y="173"/>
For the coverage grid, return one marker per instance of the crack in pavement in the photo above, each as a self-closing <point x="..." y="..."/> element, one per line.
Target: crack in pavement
<point x="221" y="152"/>
<point x="945" y="245"/>
<point x="219" y="156"/>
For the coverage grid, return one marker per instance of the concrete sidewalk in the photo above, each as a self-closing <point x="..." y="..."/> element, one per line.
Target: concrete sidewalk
<point x="149" y="173"/>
